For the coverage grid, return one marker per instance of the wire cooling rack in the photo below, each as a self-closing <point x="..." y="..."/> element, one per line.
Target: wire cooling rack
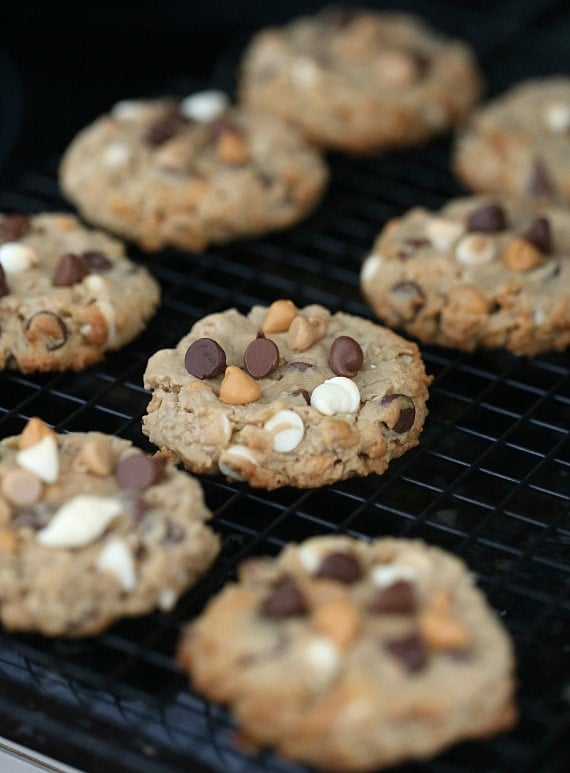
<point x="490" y="480"/>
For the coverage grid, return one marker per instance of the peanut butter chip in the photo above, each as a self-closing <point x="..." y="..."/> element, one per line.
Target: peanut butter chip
<point x="338" y="620"/>
<point x="238" y="387"/>
<point x="521" y="256"/>
<point x="440" y="631"/>
<point x="301" y="335"/>
<point x="34" y="431"/>
<point x="95" y="456"/>
<point x="231" y="148"/>
<point x="21" y="487"/>
<point x="279" y="317"/>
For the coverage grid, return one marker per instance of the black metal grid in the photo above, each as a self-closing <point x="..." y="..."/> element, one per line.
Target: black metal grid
<point x="488" y="482"/>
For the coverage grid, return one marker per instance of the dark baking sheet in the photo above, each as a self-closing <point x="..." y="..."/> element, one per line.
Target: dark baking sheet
<point x="488" y="482"/>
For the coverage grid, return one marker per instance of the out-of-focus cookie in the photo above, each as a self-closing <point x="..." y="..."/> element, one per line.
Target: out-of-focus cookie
<point x="483" y="272"/>
<point x="286" y="396"/>
<point x="93" y="530"/>
<point x="351" y="656"/>
<point x="360" y="80"/>
<point x="191" y="173"/>
<point x="519" y="144"/>
<point x="67" y="294"/>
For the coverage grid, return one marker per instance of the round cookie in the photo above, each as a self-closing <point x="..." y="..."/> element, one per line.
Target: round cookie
<point x="191" y="173"/>
<point x="483" y="272"/>
<point x="350" y="655"/>
<point x="519" y="144"/>
<point x="93" y="530"/>
<point x="361" y="80"/>
<point x="67" y="294"/>
<point x="286" y="396"/>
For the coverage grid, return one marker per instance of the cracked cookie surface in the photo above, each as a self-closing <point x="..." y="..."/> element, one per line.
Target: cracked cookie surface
<point x="351" y="655"/>
<point x="93" y="530"/>
<point x="286" y="396"/>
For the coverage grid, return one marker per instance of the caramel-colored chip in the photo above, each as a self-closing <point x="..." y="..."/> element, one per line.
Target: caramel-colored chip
<point x="21" y="487"/>
<point x="231" y="149"/>
<point x="95" y="456"/>
<point x="238" y="387"/>
<point x="468" y="300"/>
<point x="338" y="620"/>
<point x="279" y="317"/>
<point x="522" y="256"/>
<point x="8" y="541"/>
<point x="34" y="431"/>
<point x="440" y="631"/>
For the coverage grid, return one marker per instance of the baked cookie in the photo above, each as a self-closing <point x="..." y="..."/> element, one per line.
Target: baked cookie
<point x="361" y="80"/>
<point x="351" y="655"/>
<point x="191" y="173"/>
<point x="67" y="294"/>
<point x="482" y="272"/>
<point x="519" y="143"/>
<point x="92" y="530"/>
<point x="286" y="396"/>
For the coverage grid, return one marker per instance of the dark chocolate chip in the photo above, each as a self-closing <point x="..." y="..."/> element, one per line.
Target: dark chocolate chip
<point x="343" y="567"/>
<point x="261" y="357"/>
<point x="540" y="235"/>
<point x="304" y="394"/>
<point x="300" y="366"/>
<point x="539" y="182"/>
<point x="345" y="357"/>
<point x="70" y="270"/>
<point x="4" y="289"/>
<point x="285" y="600"/>
<point x="409" y="298"/>
<point x="13" y="227"/>
<point x="49" y="327"/>
<point x="407" y="415"/>
<point x="409" y="651"/>
<point x="205" y="358"/>
<point x="421" y="61"/>
<point x="97" y="262"/>
<point x="488" y="219"/>
<point x="165" y="128"/>
<point x="137" y="508"/>
<point x="139" y="471"/>
<point x="397" y="599"/>
<point x="30" y="518"/>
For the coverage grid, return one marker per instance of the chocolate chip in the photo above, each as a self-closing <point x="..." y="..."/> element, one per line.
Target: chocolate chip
<point x="422" y="61"/>
<point x="174" y="534"/>
<point x="97" y="262"/>
<point x="13" y="227"/>
<point x="539" y="234"/>
<point x="261" y="357"/>
<point x="223" y="125"/>
<point x="409" y="651"/>
<point x="70" y="270"/>
<point x="488" y="219"/>
<point x="137" y="508"/>
<point x="165" y="128"/>
<point x="285" y="600"/>
<point x="48" y="327"/>
<point x="346" y="357"/>
<point x="398" y="599"/>
<point x="343" y="567"/>
<point x="407" y="415"/>
<point x="4" y="289"/>
<point x="304" y="394"/>
<point x="300" y="366"/>
<point x="205" y="358"/>
<point x="139" y="471"/>
<point x="538" y="182"/>
<point x="30" y="518"/>
<point x="409" y="297"/>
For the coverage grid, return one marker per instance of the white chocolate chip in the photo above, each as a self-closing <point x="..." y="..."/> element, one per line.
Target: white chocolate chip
<point x="557" y="117"/>
<point x="475" y="249"/>
<point x="539" y="316"/>
<point x="226" y="428"/>
<point x="323" y="659"/>
<point x="309" y="557"/>
<point x="205" y="106"/>
<point x="96" y="285"/>
<point x="371" y="267"/>
<point x="287" y="428"/>
<point x="80" y="521"/>
<point x="383" y="576"/>
<point x="117" y="558"/>
<point x="336" y="395"/>
<point x="16" y="258"/>
<point x="305" y="71"/>
<point x="42" y="459"/>
<point x="235" y="452"/>
<point x="116" y="154"/>
<point x="130" y="110"/>
<point x="167" y="599"/>
<point x="442" y="233"/>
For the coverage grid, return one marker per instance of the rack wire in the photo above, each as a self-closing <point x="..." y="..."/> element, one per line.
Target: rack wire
<point x="489" y="481"/>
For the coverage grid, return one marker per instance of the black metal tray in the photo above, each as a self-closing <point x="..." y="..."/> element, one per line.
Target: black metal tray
<point x="488" y="482"/>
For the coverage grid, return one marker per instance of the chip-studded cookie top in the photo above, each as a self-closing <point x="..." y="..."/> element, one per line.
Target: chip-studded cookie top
<point x="286" y="396"/>
<point x="350" y="655"/>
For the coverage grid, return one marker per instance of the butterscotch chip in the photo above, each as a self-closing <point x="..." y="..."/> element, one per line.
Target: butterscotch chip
<point x="34" y="431"/>
<point x="238" y="387"/>
<point x="324" y="676"/>
<point x="8" y="542"/>
<point x="279" y="317"/>
<point x="232" y="149"/>
<point x="96" y="456"/>
<point x="522" y="256"/>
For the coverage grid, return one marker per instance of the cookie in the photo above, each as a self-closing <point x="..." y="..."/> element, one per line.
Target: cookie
<point x="286" y="396"/>
<point x="93" y="530"/>
<point x="350" y="655"/>
<point x="483" y="272"/>
<point x="519" y="144"/>
<point x="360" y="80"/>
<point x="67" y="294"/>
<point x="191" y="173"/>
